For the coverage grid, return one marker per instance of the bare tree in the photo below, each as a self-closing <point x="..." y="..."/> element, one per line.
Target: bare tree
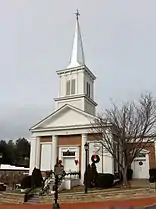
<point x="125" y="131"/>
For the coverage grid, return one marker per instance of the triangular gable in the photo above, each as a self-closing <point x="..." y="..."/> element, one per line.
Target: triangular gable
<point x="144" y="151"/>
<point x="66" y="116"/>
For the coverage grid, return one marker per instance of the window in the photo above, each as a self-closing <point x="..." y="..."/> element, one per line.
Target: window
<point x="68" y="87"/>
<point x="88" y="89"/>
<point x="73" y="86"/>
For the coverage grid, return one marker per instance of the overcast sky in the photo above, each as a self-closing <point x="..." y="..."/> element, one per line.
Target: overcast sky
<point x="36" y="36"/>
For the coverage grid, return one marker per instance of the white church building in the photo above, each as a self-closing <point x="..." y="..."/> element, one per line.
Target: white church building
<point x="64" y="132"/>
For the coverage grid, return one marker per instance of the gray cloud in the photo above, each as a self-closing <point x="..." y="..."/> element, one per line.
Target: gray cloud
<point x="36" y="39"/>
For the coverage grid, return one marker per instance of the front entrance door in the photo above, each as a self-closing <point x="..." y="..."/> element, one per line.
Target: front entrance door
<point x="69" y="164"/>
<point x="140" y="166"/>
<point x="68" y="156"/>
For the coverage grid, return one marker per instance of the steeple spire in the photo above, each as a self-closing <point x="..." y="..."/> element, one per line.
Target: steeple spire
<point x="77" y="56"/>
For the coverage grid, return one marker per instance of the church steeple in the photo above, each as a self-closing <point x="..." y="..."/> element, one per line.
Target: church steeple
<point x="77" y="56"/>
<point x="76" y="80"/>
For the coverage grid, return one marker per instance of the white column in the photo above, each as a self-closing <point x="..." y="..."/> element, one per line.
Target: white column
<point x="37" y="164"/>
<point x="54" y="150"/>
<point x="32" y="154"/>
<point x="83" y="157"/>
<point x="155" y="146"/>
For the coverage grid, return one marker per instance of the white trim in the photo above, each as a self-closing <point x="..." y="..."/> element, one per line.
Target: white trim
<point x="144" y="151"/>
<point x="42" y="160"/>
<point x="32" y="154"/>
<point x="62" y="132"/>
<point x="54" y="150"/>
<point x="37" y="159"/>
<point x="83" y="156"/>
<point x="68" y="146"/>
<point x="45" y="143"/>
<point x="63" y="128"/>
<point x="82" y="67"/>
<point x="72" y="149"/>
<point x="75" y="98"/>
<point x="155" y="147"/>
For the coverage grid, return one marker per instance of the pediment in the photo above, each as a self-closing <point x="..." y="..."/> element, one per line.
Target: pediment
<point x="144" y="151"/>
<point x="66" y="116"/>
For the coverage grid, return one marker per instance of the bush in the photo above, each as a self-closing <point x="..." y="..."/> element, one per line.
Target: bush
<point x="104" y="180"/>
<point x="116" y="176"/>
<point x="26" y="182"/>
<point x="2" y="187"/>
<point x="152" y="173"/>
<point x="37" y="179"/>
<point x="129" y="174"/>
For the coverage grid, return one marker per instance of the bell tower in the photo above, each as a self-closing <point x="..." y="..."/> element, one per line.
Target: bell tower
<point x="76" y="80"/>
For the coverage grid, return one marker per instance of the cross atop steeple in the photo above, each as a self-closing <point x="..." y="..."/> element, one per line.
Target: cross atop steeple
<point x="77" y="14"/>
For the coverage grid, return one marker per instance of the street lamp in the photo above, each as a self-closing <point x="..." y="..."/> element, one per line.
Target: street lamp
<point x="86" y="147"/>
<point x="59" y="174"/>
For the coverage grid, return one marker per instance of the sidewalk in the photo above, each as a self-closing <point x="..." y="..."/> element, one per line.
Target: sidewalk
<point x="111" y="204"/>
<point x="91" y="205"/>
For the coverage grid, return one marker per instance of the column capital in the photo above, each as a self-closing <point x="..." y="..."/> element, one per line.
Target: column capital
<point x="54" y="137"/>
<point x="84" y="135"/>
<point x="83" y="141"/>
<point x="33" y="138"/>
<point x="54" y="150"/>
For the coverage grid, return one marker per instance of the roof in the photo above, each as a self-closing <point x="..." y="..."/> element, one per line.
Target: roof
<point x="11" y="167"/>
<point x="77" y="56"/>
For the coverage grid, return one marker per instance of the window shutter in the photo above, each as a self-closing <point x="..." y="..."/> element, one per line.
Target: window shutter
<point x="68" y="87"/>
<point x="88" y="89"/>
<point x="73" y="86"/>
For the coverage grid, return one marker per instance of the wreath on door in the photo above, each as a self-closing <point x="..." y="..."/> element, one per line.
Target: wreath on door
<point x="140" y="163"/>
<point x="95" y="158"/>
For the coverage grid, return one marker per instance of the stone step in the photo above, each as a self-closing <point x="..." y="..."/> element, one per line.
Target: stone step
<point x="13" y="201"/>
<point x="104" y="192"/>
<point x="34" y="199"/>
<point x="78" y="197"/>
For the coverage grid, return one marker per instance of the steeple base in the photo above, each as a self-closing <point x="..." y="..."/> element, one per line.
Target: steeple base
<point x="81" y="102"/>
